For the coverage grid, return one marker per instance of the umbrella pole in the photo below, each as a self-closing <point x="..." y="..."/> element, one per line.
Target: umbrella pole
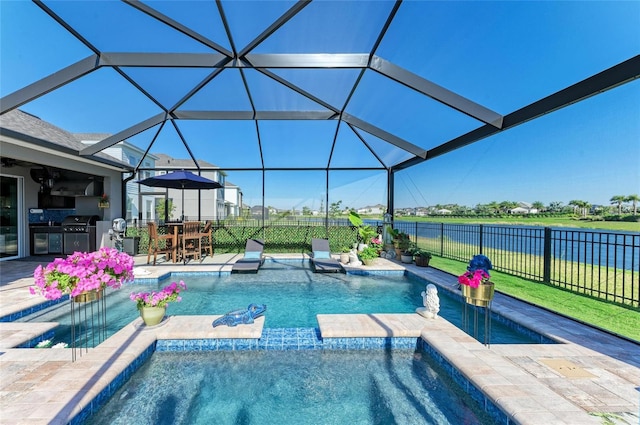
<point x="182" y="216"/>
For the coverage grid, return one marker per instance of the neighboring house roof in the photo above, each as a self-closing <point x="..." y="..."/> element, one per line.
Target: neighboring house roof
<point x="31" y="129"/>
<point x="97" y="137"/>
<point x="167" y="161"/>
<point x="90" y="137"/>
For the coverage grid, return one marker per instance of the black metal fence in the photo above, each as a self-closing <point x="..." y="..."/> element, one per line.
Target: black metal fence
<point x="597" y="263"/>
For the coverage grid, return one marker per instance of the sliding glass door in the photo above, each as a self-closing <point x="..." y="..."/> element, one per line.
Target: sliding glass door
<point x="10" y="226"/>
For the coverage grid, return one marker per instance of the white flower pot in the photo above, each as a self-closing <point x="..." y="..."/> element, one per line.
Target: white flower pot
<point x="406" y="258"/>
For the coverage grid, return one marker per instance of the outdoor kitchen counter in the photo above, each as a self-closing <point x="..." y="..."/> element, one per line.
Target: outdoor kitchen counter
<point x="45" y="228"/>
<point x="45" y="239"/>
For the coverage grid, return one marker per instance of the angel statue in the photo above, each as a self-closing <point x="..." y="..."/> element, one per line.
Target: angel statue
<point x="431" y="302"/>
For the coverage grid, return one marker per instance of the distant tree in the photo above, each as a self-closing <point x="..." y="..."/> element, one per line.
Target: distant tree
<point x="460" y="209"/>
<point x="334" y="209"/>
<point x="506" y="206"/>
<point x="555" y="206"/>
<point x="483" y="209"/>
<point x="160" y="209"/>
<point x="618" y="200"/>
<point x="306" y="211"/>
<point x="494" y="207"/>
<point x="538" y="205"/>
<point x="634" y="200"/>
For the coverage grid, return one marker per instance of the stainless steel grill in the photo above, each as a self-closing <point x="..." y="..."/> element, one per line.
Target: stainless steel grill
<point x="78" y="223"/>
<point x="79" y="233"/>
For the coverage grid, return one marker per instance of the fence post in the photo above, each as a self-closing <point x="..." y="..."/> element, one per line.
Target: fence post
<point x="442" y="239"/>
<point x="480" y="241"/>
<point x="546" y="258"/>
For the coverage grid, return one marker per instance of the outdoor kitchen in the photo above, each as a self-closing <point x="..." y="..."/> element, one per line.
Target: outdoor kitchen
<point x="69" y="212"/>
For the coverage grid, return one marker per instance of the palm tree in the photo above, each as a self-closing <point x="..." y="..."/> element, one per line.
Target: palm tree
<point x="506" y="206"/>
<point x="618" y="199"/>
<point x="555" y="206"/>
<point x="538" y="205"/>
<point x="633" y="199"/>
<point x="583" y="206"/>
<point x="494" y="207"/>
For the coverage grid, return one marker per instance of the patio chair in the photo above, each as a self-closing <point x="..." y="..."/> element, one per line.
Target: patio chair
<point x="252" y="259"/>
<point x="206" y="238"/>
<point x="160" y="244"/>
<point x="191" y="243"/>
<point x="321" y="259"/>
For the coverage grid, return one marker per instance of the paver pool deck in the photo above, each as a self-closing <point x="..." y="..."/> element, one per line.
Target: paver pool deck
<point x="588" y="377"/>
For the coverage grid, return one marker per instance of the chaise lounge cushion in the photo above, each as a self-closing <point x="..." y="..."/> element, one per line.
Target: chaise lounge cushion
<point x="253" y="255"/>
<point x="321" y="254"/>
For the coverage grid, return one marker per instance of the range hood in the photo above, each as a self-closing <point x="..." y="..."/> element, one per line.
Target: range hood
<point x="77" y="188"/>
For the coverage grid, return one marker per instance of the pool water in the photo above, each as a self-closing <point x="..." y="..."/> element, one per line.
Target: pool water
<point x="293" y="293"/>
<point x="290" y="387"/>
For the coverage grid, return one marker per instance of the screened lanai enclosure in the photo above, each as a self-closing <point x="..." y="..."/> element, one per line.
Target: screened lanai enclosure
<point x="312" y="104"/>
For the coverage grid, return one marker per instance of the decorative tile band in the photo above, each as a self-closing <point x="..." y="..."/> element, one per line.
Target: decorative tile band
<point x="361" y="272"/>
<point x="49" y="335"/>
<point x="34" y="309"/>
<point x="285" y="339"/>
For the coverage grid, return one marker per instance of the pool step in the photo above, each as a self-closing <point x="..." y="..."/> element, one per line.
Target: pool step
<point x="406" y="400"/>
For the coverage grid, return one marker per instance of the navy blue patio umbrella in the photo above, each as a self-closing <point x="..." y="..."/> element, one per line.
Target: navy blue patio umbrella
<point x="180" y="180"/>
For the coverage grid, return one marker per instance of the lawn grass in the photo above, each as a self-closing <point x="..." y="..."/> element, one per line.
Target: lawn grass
<point x="616" y="318"/>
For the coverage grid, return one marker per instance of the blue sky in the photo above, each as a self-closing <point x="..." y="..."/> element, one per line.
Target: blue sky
<point x="503" y="55"/>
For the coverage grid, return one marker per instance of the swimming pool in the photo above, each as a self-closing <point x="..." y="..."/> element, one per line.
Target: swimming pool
<point x="293" y="293"/>
<point x="290" y="387"/>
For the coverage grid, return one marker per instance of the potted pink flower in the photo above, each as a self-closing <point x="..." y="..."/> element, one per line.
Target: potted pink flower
<point x="83" y="273"/>
<point x="153" y="305"/>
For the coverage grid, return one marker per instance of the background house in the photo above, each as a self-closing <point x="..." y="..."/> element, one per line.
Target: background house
<point x="372" y="209"/>
<point x="232" y="200"/>
<point x="523" y="208"/>
<point x="138" y="205"/>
